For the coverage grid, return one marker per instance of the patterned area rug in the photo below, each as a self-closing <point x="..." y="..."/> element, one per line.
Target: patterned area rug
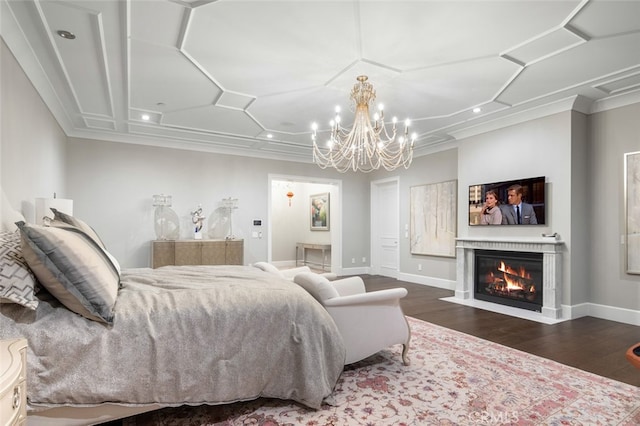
<point x="453" y="379"/>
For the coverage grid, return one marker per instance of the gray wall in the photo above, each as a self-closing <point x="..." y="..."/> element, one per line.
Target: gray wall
<point x="32" y="148"/>
<point x="613" y="133"/>
<point x="112" y="184"/>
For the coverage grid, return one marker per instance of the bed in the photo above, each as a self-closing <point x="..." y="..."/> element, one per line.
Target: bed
<point x="174" y="335"/>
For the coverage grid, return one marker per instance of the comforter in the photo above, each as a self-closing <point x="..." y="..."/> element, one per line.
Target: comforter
<point x="182" y="335"/>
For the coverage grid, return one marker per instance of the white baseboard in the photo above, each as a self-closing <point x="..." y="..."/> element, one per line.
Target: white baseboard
<point x="430" y="281"/>
<point x="612" y="313"/>
<point x="355" y="271"/>
<point x="575" y="311"/>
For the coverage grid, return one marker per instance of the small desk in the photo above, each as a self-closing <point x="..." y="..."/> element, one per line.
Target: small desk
<point x="307" y="246"/>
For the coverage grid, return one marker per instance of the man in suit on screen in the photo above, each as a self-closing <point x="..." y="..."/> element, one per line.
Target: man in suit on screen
<point x="517" y="212"/>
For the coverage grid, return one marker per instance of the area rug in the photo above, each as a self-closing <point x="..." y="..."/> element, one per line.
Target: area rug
<point x="453" y="379"/>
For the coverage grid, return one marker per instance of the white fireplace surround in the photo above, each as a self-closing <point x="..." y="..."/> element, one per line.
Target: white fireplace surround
<point x="550" y="247"/>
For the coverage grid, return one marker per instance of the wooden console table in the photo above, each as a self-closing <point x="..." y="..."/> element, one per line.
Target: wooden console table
<point x="196" y="252"/>
<point x="303" y="247"/>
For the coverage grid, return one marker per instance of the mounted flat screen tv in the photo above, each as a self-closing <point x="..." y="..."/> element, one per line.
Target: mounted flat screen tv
<point x="529" y="191"/>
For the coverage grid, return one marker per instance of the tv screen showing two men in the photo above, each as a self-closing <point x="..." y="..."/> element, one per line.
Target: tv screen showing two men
<point x="514" y="202"/>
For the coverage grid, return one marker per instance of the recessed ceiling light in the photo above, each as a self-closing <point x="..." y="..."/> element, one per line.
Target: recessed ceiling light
<point x="477" y="110"/>
<point x="66" y="34"/>
<point x="269" y="135"/>
<point x="145" y="117"/>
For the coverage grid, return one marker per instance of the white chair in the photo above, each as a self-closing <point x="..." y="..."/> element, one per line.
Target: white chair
<point x="368" y="322"/>
<point x="289" y="274"/>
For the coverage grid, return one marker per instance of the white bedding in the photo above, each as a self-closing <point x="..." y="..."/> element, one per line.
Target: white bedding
<point x="182" y="335"/>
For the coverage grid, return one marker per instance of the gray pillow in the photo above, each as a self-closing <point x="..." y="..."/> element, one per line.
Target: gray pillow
<point x="17" y="282"/>
<point x="73" y="267"/>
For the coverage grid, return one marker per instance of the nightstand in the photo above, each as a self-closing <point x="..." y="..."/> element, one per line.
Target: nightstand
<point x="13" y="382"/>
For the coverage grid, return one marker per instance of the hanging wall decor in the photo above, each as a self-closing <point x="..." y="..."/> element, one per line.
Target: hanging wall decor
<point x="319" y="204"/>
<point x="433" y="219"/>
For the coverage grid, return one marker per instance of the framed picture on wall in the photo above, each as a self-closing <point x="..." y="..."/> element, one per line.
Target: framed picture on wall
<point x="632" y="210"/>
<point x="319" y="204"/>
<point x="433" y="217"/>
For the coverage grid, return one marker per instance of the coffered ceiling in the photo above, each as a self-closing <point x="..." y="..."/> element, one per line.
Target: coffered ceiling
<point x="249" y="77"/>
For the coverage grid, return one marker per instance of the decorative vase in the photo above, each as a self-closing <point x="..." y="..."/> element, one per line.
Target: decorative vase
<point x="166" y="222"/>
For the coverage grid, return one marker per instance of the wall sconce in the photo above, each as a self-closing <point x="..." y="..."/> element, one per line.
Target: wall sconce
<point x="44" y="205"/>
<point x="289" y="196"/>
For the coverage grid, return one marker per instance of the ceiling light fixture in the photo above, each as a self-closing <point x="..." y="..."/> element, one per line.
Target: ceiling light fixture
<point x="362" y="148"/>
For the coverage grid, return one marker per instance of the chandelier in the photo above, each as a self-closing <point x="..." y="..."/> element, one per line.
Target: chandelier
<point x="367" y="146"/>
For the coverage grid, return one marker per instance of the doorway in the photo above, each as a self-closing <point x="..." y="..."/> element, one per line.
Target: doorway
<point x="385" y="227"/>
<point x="289" y="219"/>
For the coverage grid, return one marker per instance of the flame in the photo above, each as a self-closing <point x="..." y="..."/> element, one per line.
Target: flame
<point x="511" y="278"/>
<point x="521" y="271"/>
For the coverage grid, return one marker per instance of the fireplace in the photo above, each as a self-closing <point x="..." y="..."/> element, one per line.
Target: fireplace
<point x="550" y="276"/>
<point x="509" y="278"/>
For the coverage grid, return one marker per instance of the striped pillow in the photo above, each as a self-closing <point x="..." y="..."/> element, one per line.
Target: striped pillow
<point x="59" y="224"/>
<point x="17" y="283"/>
<point x="73" y="267"/>
<point x="70" y="220"/>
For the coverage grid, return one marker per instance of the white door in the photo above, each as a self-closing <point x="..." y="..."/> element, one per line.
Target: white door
<point x="385" y="227"/>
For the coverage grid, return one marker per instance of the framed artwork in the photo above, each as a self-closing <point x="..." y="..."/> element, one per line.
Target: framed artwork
<point x="320" y="213"/>
<point x="632" y="210"/>
<point x="433" y="211"/>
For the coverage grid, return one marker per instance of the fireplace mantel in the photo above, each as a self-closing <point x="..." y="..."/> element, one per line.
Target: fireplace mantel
<point x="550" y="247"/>
<point x="531" y="244"/>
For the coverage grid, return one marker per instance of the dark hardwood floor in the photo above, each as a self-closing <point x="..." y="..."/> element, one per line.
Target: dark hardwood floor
<point x="587" y="343"/>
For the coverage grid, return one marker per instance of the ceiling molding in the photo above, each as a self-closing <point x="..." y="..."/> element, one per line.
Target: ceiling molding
<point x="220" y="76"/>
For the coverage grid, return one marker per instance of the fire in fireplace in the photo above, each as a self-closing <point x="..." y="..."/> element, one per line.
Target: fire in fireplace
<point x="509" y="278"/>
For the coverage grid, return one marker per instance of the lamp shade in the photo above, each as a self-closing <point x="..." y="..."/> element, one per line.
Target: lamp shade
<point x="44" y="205"/>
